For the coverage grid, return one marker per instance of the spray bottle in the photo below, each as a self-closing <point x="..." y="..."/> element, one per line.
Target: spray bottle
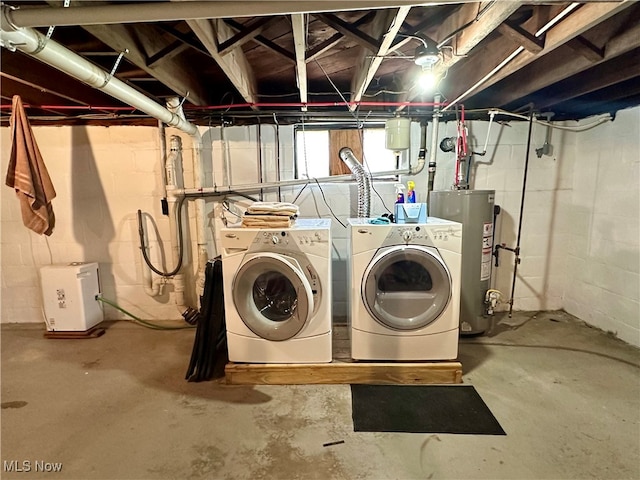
<point x="399" y="193"/>
<point x="411" y="193"/>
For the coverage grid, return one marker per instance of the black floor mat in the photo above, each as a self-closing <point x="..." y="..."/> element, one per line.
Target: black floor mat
<point x="421" y="409"/>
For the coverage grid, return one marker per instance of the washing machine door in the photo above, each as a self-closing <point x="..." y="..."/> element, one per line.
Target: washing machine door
<point x="406" y="287"/>
<point x="273" y="296"/>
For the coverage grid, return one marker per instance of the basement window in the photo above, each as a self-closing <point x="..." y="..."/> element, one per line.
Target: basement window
<point x="317" y="150"/>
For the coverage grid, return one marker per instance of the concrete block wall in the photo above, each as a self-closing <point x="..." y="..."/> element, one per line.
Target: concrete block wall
<point x="103" y="175"/>
<point x="541" y="273"/>
<point x="602" y="237"/>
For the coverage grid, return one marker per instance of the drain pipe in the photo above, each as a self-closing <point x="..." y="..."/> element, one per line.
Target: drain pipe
<point x="173" y="167"/>
<point x="175" y="105"/>
<point x="434" y="147"/>
<point x="33" y="43"/>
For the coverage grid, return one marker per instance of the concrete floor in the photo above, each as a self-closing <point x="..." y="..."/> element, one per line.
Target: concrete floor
<point x="117" y="407"/>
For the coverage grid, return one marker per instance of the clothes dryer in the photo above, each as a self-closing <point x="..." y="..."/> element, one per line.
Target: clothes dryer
<point x="404" y="301"/>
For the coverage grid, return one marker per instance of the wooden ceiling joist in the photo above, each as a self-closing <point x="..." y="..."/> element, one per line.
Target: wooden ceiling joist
<point x="35" y="95"/>
<point x="300" y="45"/>
<point x="193" y="43"/>
<point x="326" y="45"/>
<point x="235" y="66"/>
<point x="265" y="42"/>
<point x="620" y="69"/>
<point x="408" y="32"/>
<point x="584" y="47"/>
<point x="385" y="26"/>
<point x="167" y="52"/>
<point x="349" y="30"/>
<point x="579" y="21"/>
<point x="31" y="71"/>
<point x="246" y="34"/>
<point x="172" y="71"/>
<point x="176" y="73"/>
<point x="558" y="66"/>
<point x="521" y="37"/>
<point x="466" y="40"/>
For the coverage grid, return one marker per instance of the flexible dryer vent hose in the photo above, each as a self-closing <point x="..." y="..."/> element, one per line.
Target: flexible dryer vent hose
<point x="362" y="178"/>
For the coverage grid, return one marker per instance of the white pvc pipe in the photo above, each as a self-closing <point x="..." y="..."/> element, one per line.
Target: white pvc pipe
<point x="173" y="166"/>
<point x="52" y="53"/>
<point x="202" y="255"/>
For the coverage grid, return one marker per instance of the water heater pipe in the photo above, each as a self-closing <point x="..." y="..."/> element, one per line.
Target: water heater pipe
<point x="434" y="146"/>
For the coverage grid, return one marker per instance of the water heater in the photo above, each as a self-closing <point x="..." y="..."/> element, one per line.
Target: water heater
<point x="474" y="209"/>
<point x="69" y="295"/>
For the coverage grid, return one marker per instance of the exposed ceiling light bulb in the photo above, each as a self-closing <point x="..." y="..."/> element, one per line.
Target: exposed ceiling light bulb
<point x="427" y="79"/>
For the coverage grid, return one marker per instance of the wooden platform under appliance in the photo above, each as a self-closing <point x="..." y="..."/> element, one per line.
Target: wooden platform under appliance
<point x="344" y="370"/>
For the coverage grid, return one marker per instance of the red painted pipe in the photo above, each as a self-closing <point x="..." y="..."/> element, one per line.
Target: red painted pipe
<point x="241" y="105"/>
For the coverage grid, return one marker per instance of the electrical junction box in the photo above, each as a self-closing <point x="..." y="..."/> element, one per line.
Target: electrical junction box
<point x="69" y="295"/>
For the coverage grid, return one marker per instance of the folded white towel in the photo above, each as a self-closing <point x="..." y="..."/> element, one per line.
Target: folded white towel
<point x="273" y="208"/>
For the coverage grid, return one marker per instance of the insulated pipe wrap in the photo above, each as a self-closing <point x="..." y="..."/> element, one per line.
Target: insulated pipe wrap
<point x="362" y="178"/>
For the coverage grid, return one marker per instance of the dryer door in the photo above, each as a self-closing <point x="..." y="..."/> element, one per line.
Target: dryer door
<point x="273" y="296"/>
<point x="406" y="287"/>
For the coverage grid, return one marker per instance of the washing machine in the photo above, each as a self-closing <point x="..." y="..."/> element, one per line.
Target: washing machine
<point x="277" y="292"/>
<point x="404" y="302"/>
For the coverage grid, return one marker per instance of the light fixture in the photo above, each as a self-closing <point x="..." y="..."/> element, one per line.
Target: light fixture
<point x="426" y="56"/>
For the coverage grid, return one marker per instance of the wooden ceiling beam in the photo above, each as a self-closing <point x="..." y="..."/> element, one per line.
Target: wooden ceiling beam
<point x="606" y="74"/>
<point x="559" y="66"/>
<point x="608" y="99"/>
<point x="333" y="40"/>
<point x="324" y="46"/>
<point x="584" y="47"/>
<point x="385" y="26"/>
<point x="235" y="65"/>
<point x="246" y="34"/>
<point x="465" y="41"/>
<point x="174" y="72"/>
<point x="408" y="32"/>
<point x="477" y="66"/>
<point x="349" y="30"/>
<point x="31" y="71"/>
<point x="521" y="37"/>
<point x="31" y="94"/>
<point x="265" y="42"/>
<point x="185" y="39"/>
<point x="167" y="52"/>
<point x="300" y="45"/>
<point x="578" y="22"/>
<point x="470" y="37"/>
